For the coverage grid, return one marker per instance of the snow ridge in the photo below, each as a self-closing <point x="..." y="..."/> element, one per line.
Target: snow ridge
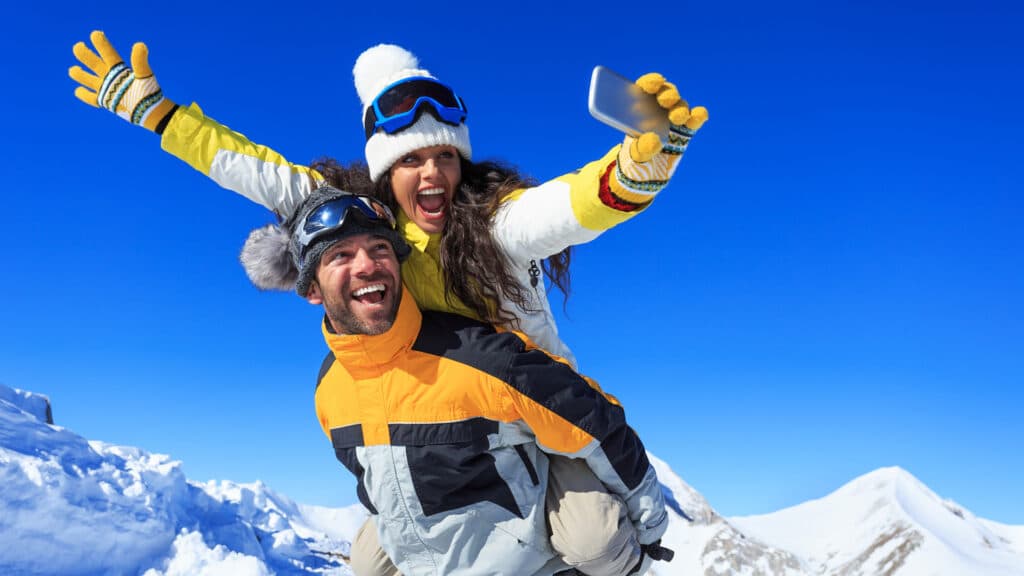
<point x="888" y="522"/>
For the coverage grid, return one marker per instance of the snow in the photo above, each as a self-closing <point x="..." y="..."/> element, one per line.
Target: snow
<point x="73" y="506"/>
<point x="705" y="543"/>
<point x="190" y="555"/>
<point x="35" y="404"/>
<point x="889" y="519"/>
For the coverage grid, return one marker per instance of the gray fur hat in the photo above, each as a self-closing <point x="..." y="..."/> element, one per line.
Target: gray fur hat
<point x="271" y="254"/>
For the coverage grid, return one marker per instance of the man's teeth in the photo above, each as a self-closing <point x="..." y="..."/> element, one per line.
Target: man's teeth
<point x="367" y="289"/>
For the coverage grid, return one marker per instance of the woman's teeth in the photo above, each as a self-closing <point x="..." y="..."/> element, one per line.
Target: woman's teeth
<point x="431" y="201"/>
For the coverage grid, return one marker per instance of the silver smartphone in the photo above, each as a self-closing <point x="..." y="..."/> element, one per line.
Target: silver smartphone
<point x="620" y="103"/>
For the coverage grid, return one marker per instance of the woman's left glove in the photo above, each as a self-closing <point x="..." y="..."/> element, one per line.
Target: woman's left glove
<point x="131" y="93"/>
<point x="645" y="163"/>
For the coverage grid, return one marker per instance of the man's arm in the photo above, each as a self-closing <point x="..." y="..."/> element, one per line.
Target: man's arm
<point x="571" y="416"/>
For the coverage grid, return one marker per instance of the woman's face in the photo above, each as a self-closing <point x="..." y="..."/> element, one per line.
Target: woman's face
<point x="423" y="182"/>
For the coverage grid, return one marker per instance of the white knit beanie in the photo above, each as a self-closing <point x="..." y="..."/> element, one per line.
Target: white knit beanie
<point x="376" y="69"/>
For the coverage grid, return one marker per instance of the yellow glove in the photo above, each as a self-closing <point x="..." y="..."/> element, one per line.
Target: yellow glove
<point x="131" y="93"/>
<point x="646" y="163"/>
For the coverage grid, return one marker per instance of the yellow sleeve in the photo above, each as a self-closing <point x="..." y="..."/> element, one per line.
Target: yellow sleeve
<point x="228" y="158"/>
<point x="598" y="200"/>
<point x="569" y="210"/>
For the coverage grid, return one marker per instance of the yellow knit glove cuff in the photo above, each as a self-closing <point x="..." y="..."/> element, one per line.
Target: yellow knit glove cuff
<point x="131" y="93"/>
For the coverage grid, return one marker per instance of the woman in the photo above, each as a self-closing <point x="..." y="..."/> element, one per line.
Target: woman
<point x="480" y="232"/>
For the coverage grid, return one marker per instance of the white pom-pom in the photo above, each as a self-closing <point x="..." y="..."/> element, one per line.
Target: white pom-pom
<point x="267" y="259"/>
<point x="381" y="65"/>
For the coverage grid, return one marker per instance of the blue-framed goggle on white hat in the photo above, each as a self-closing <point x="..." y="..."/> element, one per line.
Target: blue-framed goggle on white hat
<point x="400" y="104"/>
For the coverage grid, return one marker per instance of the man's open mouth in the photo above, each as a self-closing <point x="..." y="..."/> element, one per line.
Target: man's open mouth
<point x="372" y="294"/>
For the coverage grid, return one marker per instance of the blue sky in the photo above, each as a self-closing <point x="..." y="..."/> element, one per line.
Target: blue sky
<point x="832" y="282"/>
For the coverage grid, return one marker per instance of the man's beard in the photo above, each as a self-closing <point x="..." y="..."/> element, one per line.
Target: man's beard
<point x="346" y="322"/>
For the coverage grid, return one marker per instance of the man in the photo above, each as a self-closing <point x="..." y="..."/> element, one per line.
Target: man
<point x="446" y="421"/>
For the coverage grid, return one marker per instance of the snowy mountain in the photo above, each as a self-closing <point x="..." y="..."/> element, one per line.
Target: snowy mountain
<point x="73" y="506"/>
<point x="706" y="543"/>
<point x="888" y="522"/>
<point x="885" y="523"/>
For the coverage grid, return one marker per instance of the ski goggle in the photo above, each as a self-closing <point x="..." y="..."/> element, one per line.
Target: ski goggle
<point x="331" y="215"/>
<point x="398" y="106"/>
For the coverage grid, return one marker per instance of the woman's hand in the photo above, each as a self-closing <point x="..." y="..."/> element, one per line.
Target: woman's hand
<point x="646" y="163"/>
<point x="131" y="93"/>
<point x="685" y="121"/>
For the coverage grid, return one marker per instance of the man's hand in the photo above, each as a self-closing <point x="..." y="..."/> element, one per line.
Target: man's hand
<point x="131" y="93"/>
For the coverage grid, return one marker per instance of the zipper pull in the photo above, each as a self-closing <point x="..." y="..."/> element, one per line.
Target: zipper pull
<point x="534" y="273"/>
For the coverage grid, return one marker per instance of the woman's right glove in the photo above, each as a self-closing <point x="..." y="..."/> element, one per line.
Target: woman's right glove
<point x="645" y="163"/>
<point x="131" y="93"/>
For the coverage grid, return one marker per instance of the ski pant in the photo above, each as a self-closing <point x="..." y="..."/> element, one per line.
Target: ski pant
<point x="589" y="527"/>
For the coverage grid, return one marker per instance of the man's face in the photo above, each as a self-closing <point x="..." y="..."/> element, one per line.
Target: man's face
<point x="359" y="284"/>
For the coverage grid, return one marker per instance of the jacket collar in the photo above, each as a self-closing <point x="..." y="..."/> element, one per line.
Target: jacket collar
<point x="416" y="237"/>
<point x="361" y="351"/>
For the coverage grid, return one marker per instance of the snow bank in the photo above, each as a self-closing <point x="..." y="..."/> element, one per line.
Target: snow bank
<point x="71" y="506"/>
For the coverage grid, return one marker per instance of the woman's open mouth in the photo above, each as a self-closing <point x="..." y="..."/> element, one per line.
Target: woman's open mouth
<point x="432" y="203"/>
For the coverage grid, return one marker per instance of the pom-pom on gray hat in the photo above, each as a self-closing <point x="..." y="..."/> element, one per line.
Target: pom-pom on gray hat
<point x="273" y="255"/>
<point x="376" y="69"/>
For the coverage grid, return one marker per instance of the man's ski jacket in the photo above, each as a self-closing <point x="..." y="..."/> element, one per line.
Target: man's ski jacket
<point x="446" y="423"/>
<point x="530" y="225"/>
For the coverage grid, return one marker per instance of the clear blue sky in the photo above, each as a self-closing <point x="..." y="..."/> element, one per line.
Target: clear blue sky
<point x="832" y="283"/>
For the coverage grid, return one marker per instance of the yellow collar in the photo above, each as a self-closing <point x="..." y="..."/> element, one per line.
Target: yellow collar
<point x="416" y="237"/>
<point x="359" y="351"/>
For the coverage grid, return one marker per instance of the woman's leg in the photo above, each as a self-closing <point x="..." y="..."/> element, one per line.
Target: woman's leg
<point x="367" y="557"/>
<point x="590" y="528"/>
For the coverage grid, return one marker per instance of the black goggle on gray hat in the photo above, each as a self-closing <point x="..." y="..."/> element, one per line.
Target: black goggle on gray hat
<point x="286" y="256"/>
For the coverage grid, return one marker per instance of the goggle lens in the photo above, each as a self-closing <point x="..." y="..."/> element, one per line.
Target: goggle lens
<point x="403" y="97"/>
<point x="397" y="106"/>
<point x="330" y="215"/>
